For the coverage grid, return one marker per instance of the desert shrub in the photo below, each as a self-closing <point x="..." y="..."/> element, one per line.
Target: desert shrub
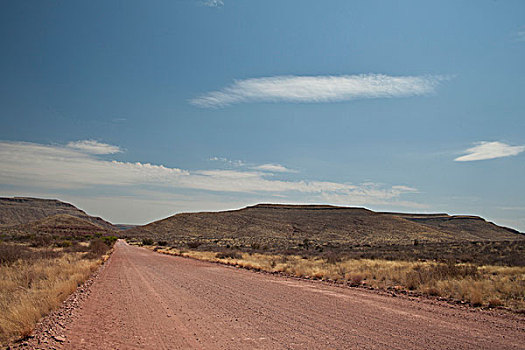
<point x="356" y="280"/>
<point x="9" y="253"/>
<point x="64" y="243"/>
<point x="433" y="291"/>
<point x="162" y="243"/>
<point x="48" y="253"/>
<point x="475" y="296"/>
<point x="255" y="246"/>
<point x="452" y="270"/>
<point x="229" y="254"/>
<point x="41" y="241"/>
<point x="424" y="274"/>
<point x="332" y="258"/>
<point x="109" y="240"/>
<point x="76" y="247"/>
<point x="495" y="302"/>
<point x="194" y="244"/>
<point x="288" y="252"/>
<point x="147" y="241"/>
<point x="306" y="243"/>
<point x="97" y="248"/>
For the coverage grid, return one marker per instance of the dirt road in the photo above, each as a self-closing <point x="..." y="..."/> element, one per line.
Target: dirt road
<point x="147" y="300"/>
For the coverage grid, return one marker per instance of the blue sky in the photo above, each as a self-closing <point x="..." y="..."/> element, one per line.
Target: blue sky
<point x="136" y="110"/>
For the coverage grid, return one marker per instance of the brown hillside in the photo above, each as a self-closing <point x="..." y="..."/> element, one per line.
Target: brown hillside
<point x="19" y="210"/>
<point x="62" y="225"/>
<point x="269" y="223"/>
<point x="464" y="226"/>
<point x="329" y="224"/>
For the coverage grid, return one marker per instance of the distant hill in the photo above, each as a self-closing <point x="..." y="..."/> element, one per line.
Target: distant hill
<point x="322" y="223"/>
<point x="466" y="227"/>
<point x="62" y="225"/>
<point x="21" y="210"/>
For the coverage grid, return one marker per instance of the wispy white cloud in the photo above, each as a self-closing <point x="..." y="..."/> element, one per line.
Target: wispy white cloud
<point x="224" y="160"/>
<point x="94" y="147"/>
<point x="214" y="3"/>
<point x="304" y="89"/>
<point x="269" y="167"/>
<point x="52" y="167"/>
<point x="489" y="150"/>
<point x="277" y="168"/>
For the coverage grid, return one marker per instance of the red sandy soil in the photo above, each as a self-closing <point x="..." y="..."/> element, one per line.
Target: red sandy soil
<point x="145" y="300"/>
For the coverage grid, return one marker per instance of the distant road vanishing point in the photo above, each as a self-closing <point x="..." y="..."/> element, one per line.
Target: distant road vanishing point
<point x="146" y="300"/>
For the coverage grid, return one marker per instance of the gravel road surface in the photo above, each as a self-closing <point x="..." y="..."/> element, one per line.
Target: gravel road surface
<point x="146" y="300"/>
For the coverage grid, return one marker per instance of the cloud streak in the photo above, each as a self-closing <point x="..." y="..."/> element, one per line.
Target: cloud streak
<point x="214" y="3"/>
<point x="489" y="150"/>
<point x="277" y="168"/>
<point x="312" y="89"/>
<point x="224" y="160"/>
<point x="52" y="167"/>
<point x="94" y="147"/>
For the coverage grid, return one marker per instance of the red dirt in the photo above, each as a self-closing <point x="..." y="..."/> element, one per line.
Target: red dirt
<point x="145" y="300"/>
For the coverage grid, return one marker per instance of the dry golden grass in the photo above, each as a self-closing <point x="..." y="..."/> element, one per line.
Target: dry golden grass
<point x="30" y="289"/>
<point x="481" y="286"/>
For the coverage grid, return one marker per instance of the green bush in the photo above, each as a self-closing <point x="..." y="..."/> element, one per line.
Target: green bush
<point x="109" y="240"/>
<point x="64" y="244"/>
<point x="147" y="241"/>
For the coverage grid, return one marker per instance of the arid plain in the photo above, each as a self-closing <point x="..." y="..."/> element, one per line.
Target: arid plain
<point x="269" y="276"/>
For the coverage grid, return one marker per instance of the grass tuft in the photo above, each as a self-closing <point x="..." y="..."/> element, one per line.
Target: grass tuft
<point x="34" y="281"/>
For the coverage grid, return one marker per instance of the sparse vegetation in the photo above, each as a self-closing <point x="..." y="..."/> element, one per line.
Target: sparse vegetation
<point x="147" y="241"/>
<point x="460" y="257"/>
<point x="194" y="244"/>
<point x="229" y="255"/>
<point x="47" y="249"/>
<point x="109" y="240"/>
<point x="502" y="253"/>
<point x="490" y="286"/>
<point x="35" y="279"/>
<point x="313" y="228"/>
<point x="9" y="253"/>
<point x="437" y="255"/>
